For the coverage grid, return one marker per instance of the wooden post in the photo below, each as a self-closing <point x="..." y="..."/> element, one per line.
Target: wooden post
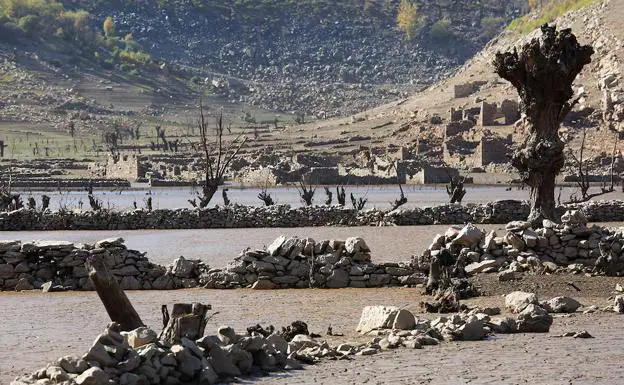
<point x="115" y="301"/>
<point x="186" y="320"/>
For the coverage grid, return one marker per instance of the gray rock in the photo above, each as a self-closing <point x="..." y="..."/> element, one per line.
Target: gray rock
<point x="354" y="245"/>
<point x="208" y="376"/>
<point x="6" y="271"/>
<point x="109" y="242"/>
<point x="23" y="284"/>
<point x="221" y="363"/>
<point x="534" y="319"/>
<point x="183" y="268"/>
<point x="98" y="353"/>
<point x="376" y="317"/>
<point x="56" y="373"/>
<point x="561" y="305"/>
<point x="338" y="278"/>
<point x="618" y="304"/>
<point x="472" y="329"/>
<point x="518" y="300"/>
<point x="274" y="248"/>
<point x="141" y="336"/>
<point x="469" y="235"/>
<point x="93" y="376"/>
<point x="479" y="267"/>
<point x="404" y="320"/>
<point x="227" y="335"/>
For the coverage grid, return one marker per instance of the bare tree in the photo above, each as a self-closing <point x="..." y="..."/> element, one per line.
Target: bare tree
<point x="543" y="72"/>
<point x="111" y="139"/>
<point x="455" y="189"/>
<point x="341" y="195"/>
<point x="306" y="193"/>
<point x="226" y="199"/>
<point x="358" y="204"/>
<point x="581" y="166"/>
<point x="265" y="197"/>
<point x="96" y="204"/>
<point x="217" y="156"/>
<point x="329" y="194"/>
<point x="400" y="201"/>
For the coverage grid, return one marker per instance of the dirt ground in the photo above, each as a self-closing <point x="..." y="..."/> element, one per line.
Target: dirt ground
<point x="39" y="327"/>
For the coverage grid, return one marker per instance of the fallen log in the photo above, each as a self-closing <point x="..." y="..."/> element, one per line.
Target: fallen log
<point x="115" y="301"/>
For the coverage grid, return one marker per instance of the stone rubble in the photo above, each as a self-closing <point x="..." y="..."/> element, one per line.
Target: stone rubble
<point x="568" y="247"/>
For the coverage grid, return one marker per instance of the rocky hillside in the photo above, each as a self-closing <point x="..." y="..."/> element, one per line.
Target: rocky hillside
<point x="321" y="58"/>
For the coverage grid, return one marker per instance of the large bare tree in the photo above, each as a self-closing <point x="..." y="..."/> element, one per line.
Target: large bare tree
<point x="543" y="72"/>
<point x="217" y="155"/>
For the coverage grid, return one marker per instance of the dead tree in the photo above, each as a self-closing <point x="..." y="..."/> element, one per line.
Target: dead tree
<point x="217" y="156"/>
<point x="115" y="301"/>
<point x="96" y="204"/>
<point x="186" y="320"/>
<point x="581" y="168"/>
<point x="265" y="197"/>
<point x="306" y="193"/>
<point x="399" y="202"/>
<point x="543" y="72"/>
<point x="45" y="202"/>
<point x="111" y="139"/>
<point x="341" y="195"/>
<point x="226" y="200"/>
<point x="455" y="189"/>
<point x="358" y="204"/>
<point x="329" y="194"/>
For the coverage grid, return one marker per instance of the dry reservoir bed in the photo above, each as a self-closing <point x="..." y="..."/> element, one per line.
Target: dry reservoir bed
<point x="39" y="327"/>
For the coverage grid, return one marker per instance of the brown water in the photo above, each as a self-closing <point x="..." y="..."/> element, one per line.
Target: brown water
<point x="218" y="246"/>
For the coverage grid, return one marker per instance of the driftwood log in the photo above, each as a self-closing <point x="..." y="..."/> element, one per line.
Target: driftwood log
<point x="542" y="73"/>
<point x="186" y="320"/>
<point x="115" y="301"/>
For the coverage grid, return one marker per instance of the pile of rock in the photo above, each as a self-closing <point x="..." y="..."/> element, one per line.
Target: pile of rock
<point x="300" y="263"/>
<point x="140" y="357"/>
<point x="572" y="246"/>
<point x="60" y="265"/>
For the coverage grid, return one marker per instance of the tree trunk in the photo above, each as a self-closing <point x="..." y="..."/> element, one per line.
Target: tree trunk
<point x="543" y="72"/>
<point x="208" y="191"/>
<point x="186" y="320"/>
<point x="115" y="301"/>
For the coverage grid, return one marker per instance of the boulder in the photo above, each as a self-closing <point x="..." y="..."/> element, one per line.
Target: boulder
<point x="472" y="330"/>
<point x="518" y="300"/>
<point x="404" y="320"/>
<point x="93" y="376"/>
<point x="274" y="248"/>
<point x="469" y="235"/>
<point x="183" y="268"/>
<point x="338" y="278"/>
<point x="574" y="218"/>
<point x="221" y="363"/>
<point x="377" y="317"/>
<point x="355" y="245"/>
<point x="109" y="242"/>
<point x="534" y="319"/>
<point x="561" y="305"/>
<point x="141" y="336"/>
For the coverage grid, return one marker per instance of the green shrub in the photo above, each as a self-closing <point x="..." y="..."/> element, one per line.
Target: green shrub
<point x="546" y="14"/>
<point x="490" y="26"/>
<point x="29" y="24"/>
<point x="441" y="29"/>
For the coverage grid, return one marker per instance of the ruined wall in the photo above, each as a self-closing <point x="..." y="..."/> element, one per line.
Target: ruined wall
<point x="494" y="150"/>
<point x="432" y="175"/>
<point x="127" y="167"/>
<point x="285" y="216"/>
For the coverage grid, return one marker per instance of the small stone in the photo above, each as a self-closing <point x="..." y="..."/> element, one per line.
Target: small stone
<point x="518" y="300"/>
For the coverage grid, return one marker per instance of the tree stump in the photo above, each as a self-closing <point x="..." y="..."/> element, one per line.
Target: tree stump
<point x="115" y="301"/>
<point x="543" y="72"/>
<point x="186" y="320"/>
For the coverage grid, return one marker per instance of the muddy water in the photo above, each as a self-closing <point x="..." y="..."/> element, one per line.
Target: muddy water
<point x="218" y="246"/>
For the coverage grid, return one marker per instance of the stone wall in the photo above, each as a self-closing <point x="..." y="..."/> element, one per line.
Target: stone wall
<point x="238" y="216"/>
<point x="302" y="263"/>
<point x="60" y="265"/>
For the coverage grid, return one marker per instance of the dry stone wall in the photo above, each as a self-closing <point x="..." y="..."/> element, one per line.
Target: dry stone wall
<point x="238" y="216"/>
<point x="60" y="265"/>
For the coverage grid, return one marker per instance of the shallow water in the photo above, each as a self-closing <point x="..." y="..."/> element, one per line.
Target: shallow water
<point x="378" y="196"/>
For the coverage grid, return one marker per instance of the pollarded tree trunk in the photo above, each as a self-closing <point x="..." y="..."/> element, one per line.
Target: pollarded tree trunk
<point x="543" y="72"/>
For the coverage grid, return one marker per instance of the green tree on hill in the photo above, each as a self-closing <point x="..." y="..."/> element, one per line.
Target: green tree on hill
<point x="407" y="18"/>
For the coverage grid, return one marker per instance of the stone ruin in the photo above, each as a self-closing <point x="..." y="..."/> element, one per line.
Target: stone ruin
<point x="568" y="247"/>
<point x="60" y="265"/>
<point x="301" y="263"/>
